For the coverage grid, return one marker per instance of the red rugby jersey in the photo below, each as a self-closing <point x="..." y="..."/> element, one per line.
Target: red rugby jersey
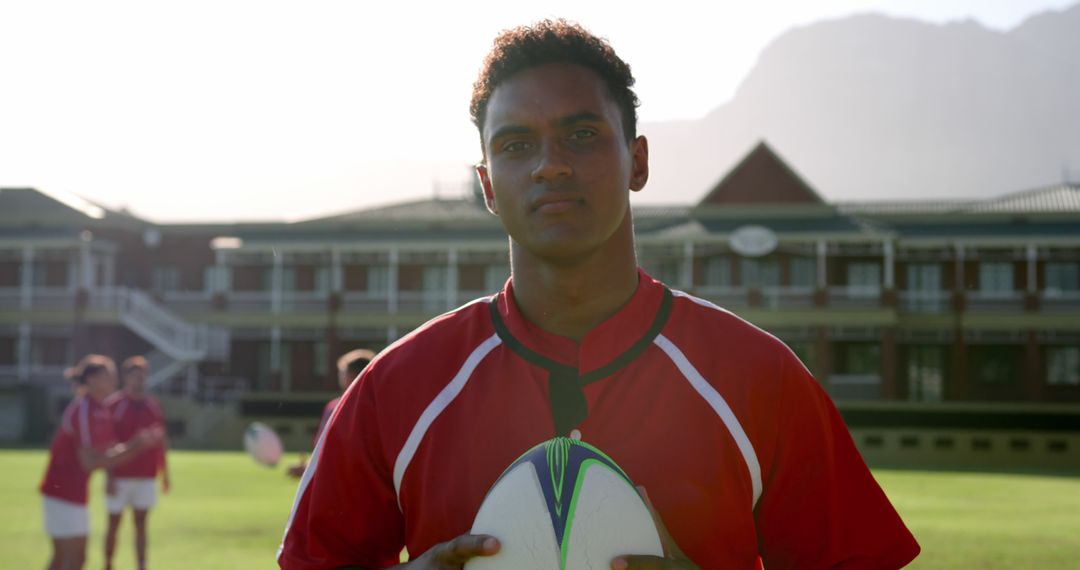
<point x="129" y="416"/>
<point x="742" y="453"/>
<point x="85" y="423"/>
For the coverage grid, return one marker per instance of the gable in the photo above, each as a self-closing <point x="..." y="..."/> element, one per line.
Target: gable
<point x="762" y="177"/>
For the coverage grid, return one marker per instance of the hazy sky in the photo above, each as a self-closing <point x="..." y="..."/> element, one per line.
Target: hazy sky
<point x="283" y="110"/>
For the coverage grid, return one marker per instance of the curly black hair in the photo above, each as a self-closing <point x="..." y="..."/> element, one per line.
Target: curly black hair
<point x="554" y="41"/>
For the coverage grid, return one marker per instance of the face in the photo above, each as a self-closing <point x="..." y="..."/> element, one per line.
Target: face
<point x="101" y="383"/>
<point x="135" y="381"/>
<point x="558" y="166"/>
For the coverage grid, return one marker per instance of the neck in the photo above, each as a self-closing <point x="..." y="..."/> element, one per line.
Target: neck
<point x="570" y="298"/>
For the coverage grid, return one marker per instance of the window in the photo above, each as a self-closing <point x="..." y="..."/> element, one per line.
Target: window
<point x="926" y="374"/>
<point x="860" y="358"/>
<point x="217" y="278"/>
<point x="717" y="272"/>
<point x="864" y="275"/>
<point x="435" y="280"/>
<point x="995" y="365"/>
<point x="924" y="277"/>
<point x="803" y="272"/>
<point x="1063" y="365"/>
<point x="665" y="270"/>
<point x="805" y="351"/>
<point x="378" y="280"/>
<point x="996" y="277"/>
<point x="495" y="277"/>
<point x="164" y="279"/>
<point x="760" y="272"/>
<point x="1061" y="277"/>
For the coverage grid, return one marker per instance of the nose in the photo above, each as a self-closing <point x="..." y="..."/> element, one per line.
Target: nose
<point x="551" y="164"/>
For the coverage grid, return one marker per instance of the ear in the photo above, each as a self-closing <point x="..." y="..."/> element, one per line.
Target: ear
<point x="639" y="163"/>
<point x="485" y="184"/>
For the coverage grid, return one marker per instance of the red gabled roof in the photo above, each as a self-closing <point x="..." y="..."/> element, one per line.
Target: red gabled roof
<point x="762" y="177"/>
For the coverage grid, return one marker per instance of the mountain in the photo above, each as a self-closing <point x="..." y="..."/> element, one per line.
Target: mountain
<point x="872" y="107"/>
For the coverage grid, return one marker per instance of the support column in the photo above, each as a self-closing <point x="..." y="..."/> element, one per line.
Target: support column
<point x="1031" y="299"/>
<point x="451" y="279"/>
<point x="822" y="356"/>
<point x="959" y="285"/>
<point x="275" y="360"/>
<point x="86" y="262"/>
<point x="26" y="281"/>
<point x="337" y="278"/>
<point x="23" y="353"/>
<point x="110" y="271"/>
<point x="688" y="266"/>
<point x="821" y="295"/>
<point x="276" y="284"/>
<point x="392" y="284"/>
<point x="888" y="292"/>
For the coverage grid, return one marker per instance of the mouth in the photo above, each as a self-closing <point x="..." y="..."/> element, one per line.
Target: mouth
<point x="557" y="204"/>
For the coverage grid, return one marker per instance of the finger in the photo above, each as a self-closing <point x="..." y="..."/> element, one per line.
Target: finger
<point x="466" y="547"/>
<point x="642" y="562"/>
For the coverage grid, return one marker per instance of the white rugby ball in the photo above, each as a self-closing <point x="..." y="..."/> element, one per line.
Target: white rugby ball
<point x="564" y="505"/>
<point x="263" y="444"/>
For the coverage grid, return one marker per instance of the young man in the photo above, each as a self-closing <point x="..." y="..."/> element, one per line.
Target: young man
<point x="349" y="367"/>
<point x="85" y="441"/>
<point x="133" y="484"/>
<point x="743" y="456"/>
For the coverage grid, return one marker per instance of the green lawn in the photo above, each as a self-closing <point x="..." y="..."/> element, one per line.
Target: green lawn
<point x="225" y="512"/>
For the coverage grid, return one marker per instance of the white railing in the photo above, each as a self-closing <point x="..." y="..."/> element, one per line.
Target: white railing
<point x="364" y="302"/>
<point x="1057" y="300"/>
<point x="854" y="386"/>
<point x="855" y="297"/>
<point x="250" y="301"/>
<point x="469" y="296"/>
<point x="167" y="332"/>
<point x="33" y="373"/>
<point x="925" y="301"/>
<point x="188" y="301"/>
<point x="787" y="297"/>
<point x="304" y="301"/>
<point x="726" y="297"/>
<point x="422" y="301"/>
<point x="53" y="298"/>
<point x="10" y="298"/>
<point x="1007" y="301"/>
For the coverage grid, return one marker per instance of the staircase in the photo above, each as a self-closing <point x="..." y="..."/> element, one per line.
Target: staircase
<point x="179" y="346"/>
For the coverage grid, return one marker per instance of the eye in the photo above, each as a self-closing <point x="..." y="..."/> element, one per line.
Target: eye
<point x="515" y="146"/>
<point x="582" y="134"/>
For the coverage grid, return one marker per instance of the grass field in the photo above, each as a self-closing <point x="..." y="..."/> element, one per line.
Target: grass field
<point x="225" y="512"/>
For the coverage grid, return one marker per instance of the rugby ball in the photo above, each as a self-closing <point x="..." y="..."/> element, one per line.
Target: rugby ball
<point x="263" y="444"/>
<point x="564" y="505"/>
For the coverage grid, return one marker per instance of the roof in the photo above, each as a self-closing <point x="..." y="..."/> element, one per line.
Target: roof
<point x="762" y="177"/>
<point x="1057" y="199"/>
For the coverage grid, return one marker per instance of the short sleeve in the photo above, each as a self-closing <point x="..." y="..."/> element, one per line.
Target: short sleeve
<point x="821" y="507"/>
<point x="346" y="511"/>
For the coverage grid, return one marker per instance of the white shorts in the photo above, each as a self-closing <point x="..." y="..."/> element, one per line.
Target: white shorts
<point x="141" y="494"/>
<point x="64" y="519"/>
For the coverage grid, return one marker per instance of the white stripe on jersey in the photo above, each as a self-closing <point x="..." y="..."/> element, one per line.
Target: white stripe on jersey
<point x="309" y="472"/>
<point x="436" y="407"/>
<point x="720" y="406"/>
<point x="84" y="422"/>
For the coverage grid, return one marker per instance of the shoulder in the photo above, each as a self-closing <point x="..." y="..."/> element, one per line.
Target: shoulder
<point x="430" y="350"/>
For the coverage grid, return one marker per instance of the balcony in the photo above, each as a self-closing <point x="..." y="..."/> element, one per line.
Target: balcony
<point x="855" y="297"/>
<point x="39" y="298"/>
<point x="46" y="374"/>
<point x="995" y="301"/>
<point x="925" y="301"/>
<point x="854" y="386"/>
<point x="187" y="301"/>
<point x="726" y="297"/>
<point x="365" y="302"/>
<point x="1056" y="300"/>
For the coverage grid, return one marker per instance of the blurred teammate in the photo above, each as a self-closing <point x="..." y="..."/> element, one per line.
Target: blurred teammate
<point x="133" y="483"/>
<point x="349" y="366"/>
<point x="86" y="440"/>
